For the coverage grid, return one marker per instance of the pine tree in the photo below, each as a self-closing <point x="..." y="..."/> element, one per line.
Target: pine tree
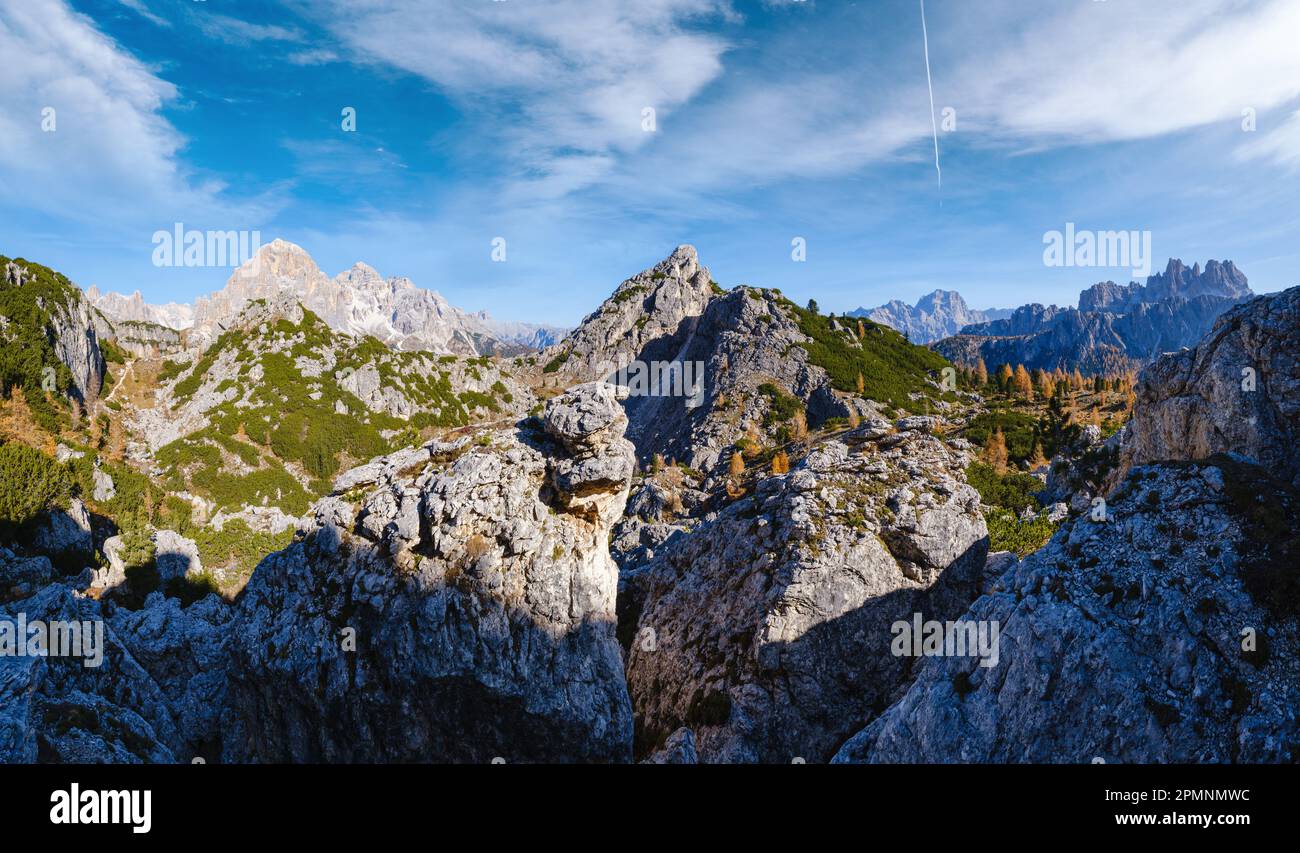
<point x="981" y="373"/>
<point x="995" y="451"/>
<point x="1004" y="379"/>
<point x="1036" y="458"/>
<point x="780" y="463"/>
<point x="862" y="383"/>
<point x="1024" y="386"/>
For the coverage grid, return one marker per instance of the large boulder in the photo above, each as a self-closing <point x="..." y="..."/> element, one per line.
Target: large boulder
<point x="455" y="603"/>
<point x="65" y="533"/>
<point x="1237" y="391"/>
<point x="765" y="630"/>
<point x="1166" y="633"/>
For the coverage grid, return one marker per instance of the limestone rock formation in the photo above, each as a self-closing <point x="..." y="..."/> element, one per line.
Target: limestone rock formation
<point x="1164" y="634"/>
<point x="453" y="602"/>
<point x="648" y="317"/>
<point x="1237" y="391"/>
<point x="765" y="630"/>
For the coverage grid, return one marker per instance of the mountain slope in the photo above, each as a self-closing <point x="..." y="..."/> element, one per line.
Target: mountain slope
<point x="48" y="339"/>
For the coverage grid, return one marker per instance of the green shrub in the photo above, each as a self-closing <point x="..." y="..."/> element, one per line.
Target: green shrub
<point x="1019" y="430"/>
<point x="1010" y="495"/>
<point x="891" y="368"/>
<point x="781" y="406"/>
<point x="30" y="482"/>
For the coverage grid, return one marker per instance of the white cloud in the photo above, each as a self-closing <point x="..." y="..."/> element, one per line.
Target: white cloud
<point x="578" y="73"/>
<point x="314" y="56"/>
<point x="113" y="157"/>
<point x="1118" y="71"/>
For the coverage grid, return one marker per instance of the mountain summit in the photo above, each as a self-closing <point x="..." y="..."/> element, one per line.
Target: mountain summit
<point x="357" y="301"/>
<point x="936" y="315"/>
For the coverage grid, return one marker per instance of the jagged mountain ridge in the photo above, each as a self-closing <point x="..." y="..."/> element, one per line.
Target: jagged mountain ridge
<point x="358" y="301"/>
<point x="1115" y="329"/>
<point x="938" y="314"/>
<point x="133" y="308"/>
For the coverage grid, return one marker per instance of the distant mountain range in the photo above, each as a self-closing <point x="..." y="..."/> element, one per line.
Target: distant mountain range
<point x="1115" y="328"/>
<point x="936" y="315"/>
<point x="358" y="301"/>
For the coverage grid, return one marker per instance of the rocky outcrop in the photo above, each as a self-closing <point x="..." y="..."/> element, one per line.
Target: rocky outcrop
<point x="936" y="315"/>
<point x="65" y="533"/>
<point x="648" y="317"/>
<point x="143" y="686"/>
<point x="68" y="324"/>
<point x="1237" y="391"/>
<point x="744" y="340"/>
<point x="453" y="602"/>
<point x="765" y="630"/>
<point x="1165" y="633"/>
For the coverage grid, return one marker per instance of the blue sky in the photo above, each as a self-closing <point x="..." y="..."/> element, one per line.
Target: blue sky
<point x="523" y="119"/>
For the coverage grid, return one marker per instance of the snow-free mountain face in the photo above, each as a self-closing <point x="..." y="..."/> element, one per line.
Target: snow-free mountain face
<point x="357" y="301"/>
<point x="1115" y="328"/>
<point x="133" y="308"/>
<point x="529" y="335"/>
<point x="936" y="315"/>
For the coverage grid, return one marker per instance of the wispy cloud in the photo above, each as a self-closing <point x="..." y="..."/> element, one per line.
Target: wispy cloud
<point x="1280" y="145"/>
<point x="579" y="75"/>
<point x="139" y="7"/>
<point x="237" y="31"/>
<point x="104" y="151"/>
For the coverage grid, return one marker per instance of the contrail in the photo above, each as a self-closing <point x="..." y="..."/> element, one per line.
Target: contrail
<point x="925" y="38"/>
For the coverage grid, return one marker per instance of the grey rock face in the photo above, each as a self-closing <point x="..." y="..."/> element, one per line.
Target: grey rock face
<point x="659" y="306"/>
<point x="1125" y="640"/>
<point x="153" y="697"/>
<point x="462" y="609"/>
<point x="175" y="555"/>
<point x="105" y="490"/>
<point x="743" y="340"/>
<point x="766" y="630"/>
<point x="1237" y="391"/>
<point x="679" y="748"/>
<point x="65" y="532"/>
<point x="22" y="576"/>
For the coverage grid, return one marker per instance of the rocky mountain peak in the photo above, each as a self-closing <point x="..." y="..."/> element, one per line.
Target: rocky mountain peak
<point x="659" y="305"/>
<point x="937" y="314"/>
